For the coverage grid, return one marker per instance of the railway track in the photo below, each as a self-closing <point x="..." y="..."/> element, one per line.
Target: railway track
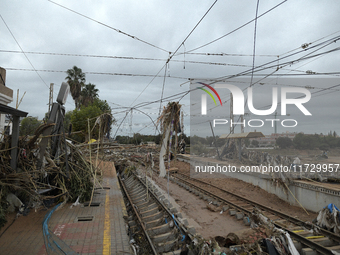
<point x="305" y="241"/>
<point x="164" y="229"/>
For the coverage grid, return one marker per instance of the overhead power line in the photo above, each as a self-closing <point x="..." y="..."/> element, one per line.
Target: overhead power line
<point x="121" y="57"/>
<point x="265" y="66"/>
<point x="289" y="62"/>
<point x="23" y="51"/>
<point x="146" y="59"/>
<point x="171" y="56"/>
<point x="97" y="73"/>
<point x="249" y="22"/>
<point x="315" y="92"/>
<point x="186" y="38"/>
<point x="308" y="44"/>
<point x="105" y="25"/>
<point x="226" y="54"/>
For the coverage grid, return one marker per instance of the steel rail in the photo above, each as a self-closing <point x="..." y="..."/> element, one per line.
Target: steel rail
<point x="137" y="215"/>
<point x="162" y="205"/>
<point x="305" y="241"/>
<point x="296" y="221"/>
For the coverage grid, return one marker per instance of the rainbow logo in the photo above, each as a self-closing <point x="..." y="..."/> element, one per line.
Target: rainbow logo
<point x="209" y="93"/>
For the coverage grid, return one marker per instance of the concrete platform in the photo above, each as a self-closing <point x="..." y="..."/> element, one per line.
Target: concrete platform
<point x="103" y="233"/>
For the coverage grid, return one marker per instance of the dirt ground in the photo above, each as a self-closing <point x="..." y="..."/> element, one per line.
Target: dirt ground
<point x="210" y="224"/>
<point x="251" y="192"/>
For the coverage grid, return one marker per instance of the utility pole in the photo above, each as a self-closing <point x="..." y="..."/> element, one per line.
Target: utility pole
<point x="231" y="114"/>
<point x="50" y="100"/>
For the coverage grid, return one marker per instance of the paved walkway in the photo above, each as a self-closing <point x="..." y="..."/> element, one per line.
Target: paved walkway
<point x="86" y="230"/>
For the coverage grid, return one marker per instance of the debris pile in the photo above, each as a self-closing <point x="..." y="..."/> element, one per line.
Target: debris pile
<point x="262" y="238"/>
<point x="294" y="168"/>
<point x="329" y="219"/>
<point x="41" y="180"/>
<point x="124" y="155"/>
<point x="170" y="123"/>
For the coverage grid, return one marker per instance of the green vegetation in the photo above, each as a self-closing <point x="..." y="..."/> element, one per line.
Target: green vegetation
<point x="79" y="120"/>
<point x="28" y="126"/>
<point x="88" y="107"/>
<point x="88" y="94"/>
<point x="82" y="94"/>
<point x="76" y="79"/>
<point x="284" y="142"/>
<point x="322" y="142"/>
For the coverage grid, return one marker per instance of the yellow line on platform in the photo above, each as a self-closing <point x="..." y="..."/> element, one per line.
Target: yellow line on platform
<point x="125" y="215"/>
<point x="107" y="224"/>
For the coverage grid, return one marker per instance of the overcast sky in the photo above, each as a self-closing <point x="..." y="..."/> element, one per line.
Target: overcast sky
<point x="125" y="67"/>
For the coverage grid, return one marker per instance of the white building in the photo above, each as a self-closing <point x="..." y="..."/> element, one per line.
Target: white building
<point x="6" y="97"/>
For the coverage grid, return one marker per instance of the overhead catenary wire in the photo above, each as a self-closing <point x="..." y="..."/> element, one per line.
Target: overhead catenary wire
<point x="171" y="55"/>
<point x="289" y="62"/>
<point x="138" y="58"/>
<point x="29" y="61"/>
<point x="159" y="59"/>
<point x="23" y="52"/>
<point x="186" y="38"/>
<point x="184" y="93"/>
<point x="94" y="73"/>
<point x="253" y="64"/>
<point x="208" y="121"/>
<point x="308" y="44"/>
<point x="148" y="103"/>
<point x="315" y="92"/>
<point x="110" y="27"/>
<point x="225" y="54"/>
<point x="264" y="67"/>
<point x="255" y="74"/>
<point x="301" y="73"/>
<point x="187" y="93"/>
<point x="249" y="22"/>
<point x="127" y="58"/>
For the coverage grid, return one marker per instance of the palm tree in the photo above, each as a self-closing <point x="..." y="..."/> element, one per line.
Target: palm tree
<point x="88" y="94"/>
<point x="76" y="79"/>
